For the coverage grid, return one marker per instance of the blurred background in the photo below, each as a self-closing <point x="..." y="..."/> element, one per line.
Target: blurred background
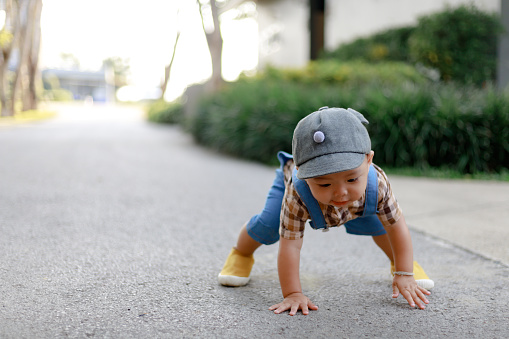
<point x="432" y="74"/>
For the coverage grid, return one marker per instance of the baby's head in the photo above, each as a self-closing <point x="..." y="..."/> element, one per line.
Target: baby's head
<point x="330" y="140"/>
<point x="332" y="151"/>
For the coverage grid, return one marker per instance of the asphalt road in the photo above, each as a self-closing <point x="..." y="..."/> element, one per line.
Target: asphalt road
<point x="114" y="227"/>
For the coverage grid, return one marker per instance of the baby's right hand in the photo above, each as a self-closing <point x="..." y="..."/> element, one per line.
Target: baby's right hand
<point x="294" y="302"/>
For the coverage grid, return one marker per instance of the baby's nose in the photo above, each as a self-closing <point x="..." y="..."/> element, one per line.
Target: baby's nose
<point x="340" y="192"/>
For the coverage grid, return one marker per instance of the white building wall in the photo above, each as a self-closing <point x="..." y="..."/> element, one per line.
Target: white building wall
<point x="283" y="33"/>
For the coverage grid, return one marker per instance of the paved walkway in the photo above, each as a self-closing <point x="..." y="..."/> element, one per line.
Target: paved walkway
<point x="473" y="215"/>
<point x="113" y="227"/>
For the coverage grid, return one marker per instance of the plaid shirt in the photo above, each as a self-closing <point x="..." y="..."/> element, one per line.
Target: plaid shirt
<point x="294" y="213"/>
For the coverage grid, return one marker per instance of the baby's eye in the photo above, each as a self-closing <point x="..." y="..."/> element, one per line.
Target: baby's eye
<point x="324" y="185"/>
<point x="353" y="180"/>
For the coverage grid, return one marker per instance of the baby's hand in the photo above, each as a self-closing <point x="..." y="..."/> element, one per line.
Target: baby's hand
<point x="408" y="288"/>
<point x="294" y="302"/>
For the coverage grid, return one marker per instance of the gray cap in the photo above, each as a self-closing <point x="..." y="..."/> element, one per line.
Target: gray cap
<point x="330" y="140"/>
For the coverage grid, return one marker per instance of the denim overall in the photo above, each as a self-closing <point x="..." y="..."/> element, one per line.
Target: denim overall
<point x="264" y="227"/>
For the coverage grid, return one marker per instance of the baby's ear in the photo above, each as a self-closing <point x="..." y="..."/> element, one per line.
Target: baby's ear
<point x="370" y="156"/>
<point x="359" y="116"/>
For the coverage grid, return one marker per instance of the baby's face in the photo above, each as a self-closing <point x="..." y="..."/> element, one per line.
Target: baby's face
<point x="341" y="189"/>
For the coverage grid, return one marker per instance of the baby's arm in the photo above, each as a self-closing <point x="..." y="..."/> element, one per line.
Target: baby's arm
<point x="401" y="243"/>
<point x="288" y="269"/>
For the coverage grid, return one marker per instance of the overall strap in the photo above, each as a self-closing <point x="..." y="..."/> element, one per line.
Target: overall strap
<point x="283" y="158"/>
<point x="371" y="200"/>
<point x="317" y="218"/>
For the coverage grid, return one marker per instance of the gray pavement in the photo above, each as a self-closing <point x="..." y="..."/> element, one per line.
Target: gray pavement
<point x="114" y="227"/>
<point x="473" y="215"/>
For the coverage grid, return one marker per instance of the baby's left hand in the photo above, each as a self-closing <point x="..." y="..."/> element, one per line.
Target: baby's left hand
<point x="408" y="288"/>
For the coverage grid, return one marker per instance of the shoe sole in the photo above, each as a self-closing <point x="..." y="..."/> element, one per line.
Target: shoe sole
<point x="231" y="280"/>
<point x="425" y="283"/>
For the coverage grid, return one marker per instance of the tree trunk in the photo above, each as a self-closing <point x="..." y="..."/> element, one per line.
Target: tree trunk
<point x="30" y="101"/>
<point x="167" y="70"/>
<point x="3" y="87"/>
<point x="503" y="48"/>
<point x="11" y="25"/>
<point x="215" y="44"/>
<point x="25" y="18"/>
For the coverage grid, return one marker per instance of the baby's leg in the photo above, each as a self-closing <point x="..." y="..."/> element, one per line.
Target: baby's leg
<point x="245" y="244"/>
<point x="420" y="276"/>
<point x="261" y="229"/>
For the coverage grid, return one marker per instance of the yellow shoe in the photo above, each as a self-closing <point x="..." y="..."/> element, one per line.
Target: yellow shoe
<point x="421" y="278"/>
<point x="236" y="270"/>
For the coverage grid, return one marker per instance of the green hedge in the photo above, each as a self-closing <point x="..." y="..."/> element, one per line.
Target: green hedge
<point x="425" y="125"/>
<point x="355" y="72"/>
<point x="440" y="125"/>
<point x="391" y="44"/>
<point x="165" y="112"/>
<point x="460" y="43"/>
<point x="251" y="119"/>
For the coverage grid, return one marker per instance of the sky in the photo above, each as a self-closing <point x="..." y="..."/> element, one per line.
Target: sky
<point x="144" y="33"/>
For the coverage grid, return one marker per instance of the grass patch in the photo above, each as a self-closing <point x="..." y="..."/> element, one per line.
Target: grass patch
<point x="446" y="173"/>
<point x="27" y="116"/>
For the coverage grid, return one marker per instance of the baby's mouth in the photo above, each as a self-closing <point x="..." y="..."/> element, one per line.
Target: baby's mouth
<point x="339" y="203"/>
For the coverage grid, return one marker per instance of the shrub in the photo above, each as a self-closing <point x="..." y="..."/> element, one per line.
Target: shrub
<point x="352" y="73"/>
<point x="461" y="43"/>
<point x="465" y="129"/>
<point x="57" y="94"/>
<point x="252" y="119"/>
<point x="165" y="112"/>
<point x="391" y="44"/>
<point x="411" y="125"/>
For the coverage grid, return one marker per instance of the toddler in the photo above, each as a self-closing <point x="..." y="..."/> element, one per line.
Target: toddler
<point x="330" y="180"/>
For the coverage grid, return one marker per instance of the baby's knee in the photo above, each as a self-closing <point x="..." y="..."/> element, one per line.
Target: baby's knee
<point x="263" y="232"/>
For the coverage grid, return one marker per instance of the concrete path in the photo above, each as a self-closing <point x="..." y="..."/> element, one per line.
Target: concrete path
<point x="114" y="227"/>
<point x="473" y="215"/>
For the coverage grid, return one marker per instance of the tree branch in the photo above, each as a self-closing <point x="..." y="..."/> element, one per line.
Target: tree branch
<point x="167" y="69"/>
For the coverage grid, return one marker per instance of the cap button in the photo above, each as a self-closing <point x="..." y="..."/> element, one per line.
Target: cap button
<point x="322" y="108"/>
<point x="319" y="137"/>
